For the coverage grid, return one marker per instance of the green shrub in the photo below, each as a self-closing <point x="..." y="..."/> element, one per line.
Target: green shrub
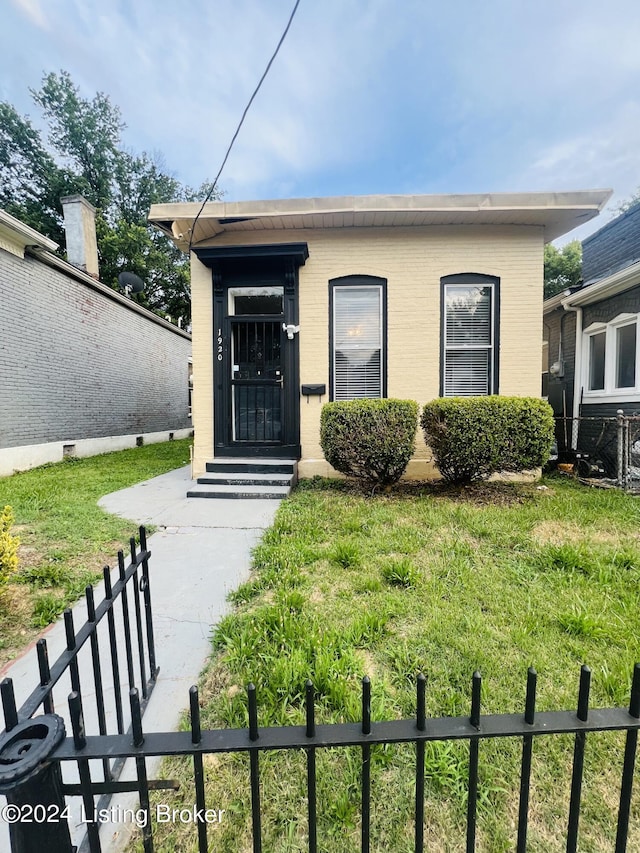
<point x="371" y="440"/>
<point x="474" y="437"/>
<point x="8" y="546"/>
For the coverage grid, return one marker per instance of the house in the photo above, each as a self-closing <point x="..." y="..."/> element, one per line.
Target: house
<point x="83" y="369"/>
<point x="298" y="302"/>
<point x="591" y="335"/>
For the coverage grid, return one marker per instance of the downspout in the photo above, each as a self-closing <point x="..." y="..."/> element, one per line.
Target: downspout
<point x="577" y="374"/>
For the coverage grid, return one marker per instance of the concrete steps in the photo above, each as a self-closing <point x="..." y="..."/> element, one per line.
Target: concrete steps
<point x="257" y="479"/>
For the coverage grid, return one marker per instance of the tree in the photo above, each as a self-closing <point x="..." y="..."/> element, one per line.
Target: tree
<point x="628" y="204"/>
<point x="83" y="153"/>
<point x="562" y="267"/>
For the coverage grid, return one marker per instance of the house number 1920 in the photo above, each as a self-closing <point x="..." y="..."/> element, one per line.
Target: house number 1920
<point x="219" y="344"/>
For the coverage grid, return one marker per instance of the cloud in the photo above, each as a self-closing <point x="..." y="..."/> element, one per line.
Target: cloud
<point x="371" y="97"/>
<point x="33" y="11"/>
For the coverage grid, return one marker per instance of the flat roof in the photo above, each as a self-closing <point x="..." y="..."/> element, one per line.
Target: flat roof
<point x="556" y="212"/>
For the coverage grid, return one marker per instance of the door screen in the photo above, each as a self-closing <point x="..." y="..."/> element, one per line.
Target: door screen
<point x="257" y="380"/>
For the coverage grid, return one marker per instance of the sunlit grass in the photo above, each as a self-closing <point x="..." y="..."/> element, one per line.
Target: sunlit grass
<point x="65" y="536"/>
<point x="442" y="582"/>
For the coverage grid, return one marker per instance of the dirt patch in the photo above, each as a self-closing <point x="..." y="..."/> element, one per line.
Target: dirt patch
<point x="558" y="533"/>
<point x="480" y="493"/>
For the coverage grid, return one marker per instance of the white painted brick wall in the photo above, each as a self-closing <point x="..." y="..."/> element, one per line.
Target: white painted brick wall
<point x="75" y="364"/>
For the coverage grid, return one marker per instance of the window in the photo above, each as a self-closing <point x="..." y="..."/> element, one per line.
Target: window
<point x="611" y="361"/>
<point x="358" y="320"/>
<point x="597" y="349"/>
<point x="626" y="356"/>
<point x="469" y="349"/>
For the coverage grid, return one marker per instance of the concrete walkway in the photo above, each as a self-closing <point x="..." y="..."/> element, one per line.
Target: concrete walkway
<point x="200" y="552"/>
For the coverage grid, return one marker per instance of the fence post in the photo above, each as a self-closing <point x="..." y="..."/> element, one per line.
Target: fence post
<point x="620" y="448"/>
<point x="32" y="784"/>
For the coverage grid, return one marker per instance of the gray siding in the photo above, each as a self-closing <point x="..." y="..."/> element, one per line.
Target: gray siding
<point x="613" y="247"/>
<point x="76" y="364"/>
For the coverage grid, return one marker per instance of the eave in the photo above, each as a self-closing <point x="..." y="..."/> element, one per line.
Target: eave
<point x="15" y="236"/>
<point x="555" y="213"/>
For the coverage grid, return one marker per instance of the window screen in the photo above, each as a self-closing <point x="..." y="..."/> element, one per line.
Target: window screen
<point x="597" y="350"/>
<point x="626" y="356"/>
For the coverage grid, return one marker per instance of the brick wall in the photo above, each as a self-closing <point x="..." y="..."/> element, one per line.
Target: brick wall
<point x="76" y="364"/>
<point x="613" y="247"/>
<point x="412" y="260"/>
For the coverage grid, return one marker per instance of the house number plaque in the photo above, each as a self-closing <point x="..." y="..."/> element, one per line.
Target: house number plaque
<point x="220" y="350"/>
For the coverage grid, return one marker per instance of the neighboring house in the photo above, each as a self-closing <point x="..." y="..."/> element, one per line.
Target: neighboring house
<point x="591" y="337"/>
<point x="83" y="369"/>
<point x="297" y="302"/>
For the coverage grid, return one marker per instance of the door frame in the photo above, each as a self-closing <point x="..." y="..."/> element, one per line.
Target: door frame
<point x="238" y="266"/>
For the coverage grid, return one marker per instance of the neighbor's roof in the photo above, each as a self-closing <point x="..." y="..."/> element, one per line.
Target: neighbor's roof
<point x="20" y="236"/>
<point x="556" y="212"/>
<point x="604" y="288"/>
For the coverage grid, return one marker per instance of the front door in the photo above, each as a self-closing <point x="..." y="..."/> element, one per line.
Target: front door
<point x="256" y="380"/>
<point x="258" y="395"/>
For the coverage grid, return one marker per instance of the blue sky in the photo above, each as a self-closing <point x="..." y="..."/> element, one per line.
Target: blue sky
<point x="366" y="96"/>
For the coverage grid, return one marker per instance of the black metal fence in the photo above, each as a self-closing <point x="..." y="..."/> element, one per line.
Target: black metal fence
<point x="112" y="652"/>
<point x="33" y="748"/>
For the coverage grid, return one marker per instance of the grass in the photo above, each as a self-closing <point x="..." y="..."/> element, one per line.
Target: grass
<point x="65" y="538"/>
<point x="440" y="581"/>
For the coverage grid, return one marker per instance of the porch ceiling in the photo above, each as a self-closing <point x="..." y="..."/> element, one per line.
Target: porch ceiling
<point x="557" y="213"/>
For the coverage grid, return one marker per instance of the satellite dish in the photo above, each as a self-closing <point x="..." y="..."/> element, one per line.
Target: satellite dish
<point x="130" y="283"/>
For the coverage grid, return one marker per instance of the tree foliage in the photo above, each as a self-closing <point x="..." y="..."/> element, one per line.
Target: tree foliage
<point x="628" y="204"/>
<point x="83" y="153"/>
<point x="562" y="267"/>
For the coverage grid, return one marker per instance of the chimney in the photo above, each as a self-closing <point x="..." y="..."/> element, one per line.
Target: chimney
<point x="80" y="229"/>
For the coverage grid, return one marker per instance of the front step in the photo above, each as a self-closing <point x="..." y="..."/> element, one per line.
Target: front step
<point x="253" y="466"/>
<point x="264" y="479"/>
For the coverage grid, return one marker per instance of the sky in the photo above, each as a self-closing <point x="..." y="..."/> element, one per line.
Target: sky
<point x="365" y="96"/>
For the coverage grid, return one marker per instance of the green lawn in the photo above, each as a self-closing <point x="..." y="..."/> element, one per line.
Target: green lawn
<point x="495" y="578"/>
<point x="65" y="538"/>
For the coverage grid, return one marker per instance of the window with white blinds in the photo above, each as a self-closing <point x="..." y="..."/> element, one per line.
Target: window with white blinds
<point x="357" y="333"/>
<point x="469" y="338"/>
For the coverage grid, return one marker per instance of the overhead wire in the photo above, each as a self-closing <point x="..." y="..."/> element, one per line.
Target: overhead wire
<point x="244" y="115"/>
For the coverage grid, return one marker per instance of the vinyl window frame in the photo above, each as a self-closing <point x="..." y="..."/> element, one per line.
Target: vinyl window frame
<point x="611" y="393"/>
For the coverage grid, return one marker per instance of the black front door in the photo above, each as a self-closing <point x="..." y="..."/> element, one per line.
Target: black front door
<point x="257" y="380"/>
<point x="256" y="401"/>
<point x="256" y="373"/>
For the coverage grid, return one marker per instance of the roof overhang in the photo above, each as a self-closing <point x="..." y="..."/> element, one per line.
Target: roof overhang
<point x="606" y="287"/>
<point x="279" y="253"/>
<point x="612" y="285"/>
<point x="15" y="236"/>
<point x="556" y="213"/>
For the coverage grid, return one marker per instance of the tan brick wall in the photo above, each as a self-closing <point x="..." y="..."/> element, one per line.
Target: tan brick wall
<point x="412" y="260"/>
<point x="202" y="353"/>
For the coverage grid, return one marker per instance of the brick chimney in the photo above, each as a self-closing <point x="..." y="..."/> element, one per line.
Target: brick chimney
<point x="80" y="229"/>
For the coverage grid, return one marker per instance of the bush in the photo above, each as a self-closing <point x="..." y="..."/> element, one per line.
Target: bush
<point x="371" y="440"/>
<point x="474" y="437"/>
<point x="8" y="546"/>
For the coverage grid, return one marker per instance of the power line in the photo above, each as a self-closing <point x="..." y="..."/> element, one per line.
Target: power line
<point x="244" y="114"/>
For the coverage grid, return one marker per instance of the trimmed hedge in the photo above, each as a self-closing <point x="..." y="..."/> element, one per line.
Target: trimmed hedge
<point x="8" y="546"/>
<point x="371" y="440"/>
<point x="474" y="437"/>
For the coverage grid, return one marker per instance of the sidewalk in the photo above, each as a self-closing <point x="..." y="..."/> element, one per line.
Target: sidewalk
<point x="200" y="552"/>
